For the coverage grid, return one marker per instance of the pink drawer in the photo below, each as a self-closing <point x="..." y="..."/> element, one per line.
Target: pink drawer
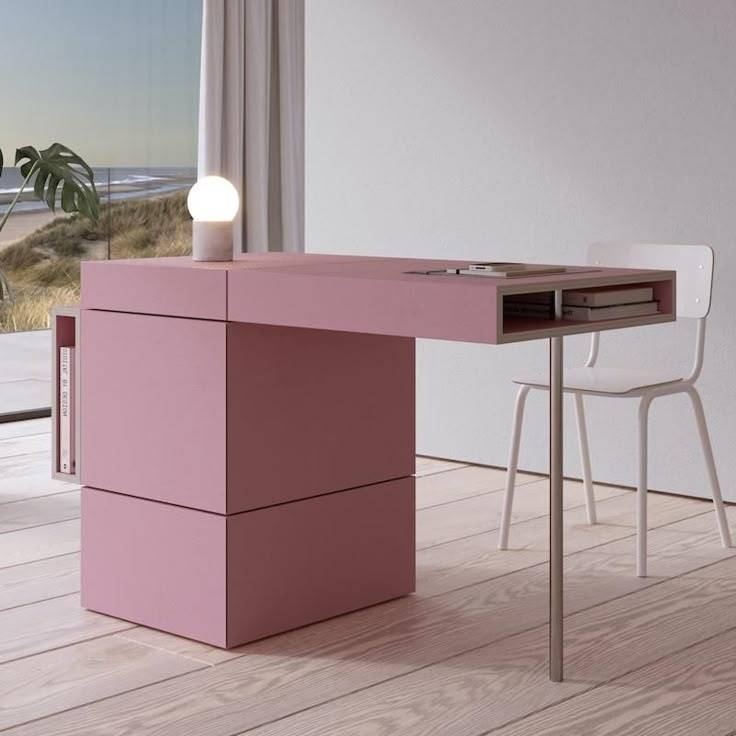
<point x="226" y="580"/>
<point x="228" y="417"/>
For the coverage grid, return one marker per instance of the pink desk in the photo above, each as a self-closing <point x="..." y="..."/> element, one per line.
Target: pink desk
<point x="246" y="430"/>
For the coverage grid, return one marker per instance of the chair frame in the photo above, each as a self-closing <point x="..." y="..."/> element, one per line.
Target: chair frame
<point x="645" y="394"/>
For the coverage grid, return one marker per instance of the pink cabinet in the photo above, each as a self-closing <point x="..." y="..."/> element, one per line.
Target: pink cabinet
<point x="227" y="417"/>
<point x="229" y="579"/>
<point x="153" y="407"/>
<point x="240" y="479"/>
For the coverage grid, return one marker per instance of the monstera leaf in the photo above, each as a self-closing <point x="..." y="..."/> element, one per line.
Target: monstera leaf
<point x="57" y="169"/>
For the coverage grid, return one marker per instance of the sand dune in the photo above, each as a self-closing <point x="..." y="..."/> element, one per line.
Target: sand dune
<point x="20" y="224"/>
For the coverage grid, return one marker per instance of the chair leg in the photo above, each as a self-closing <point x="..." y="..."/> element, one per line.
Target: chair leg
<point x="585" y="458"/>
<point x="711" y="465"/>
<point x="508" y="495"/>
<point x="641" y="490"/>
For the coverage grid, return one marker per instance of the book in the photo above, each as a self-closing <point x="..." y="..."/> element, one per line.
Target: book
<point x="538" y="297"/>
<point x="66" y="409"/>
<point x="495" y="266"/>
<point x="607" y="296"/>
<point x="512" y="308"/>
<point x="72" y="409"/>
<point x="593" y="314"/>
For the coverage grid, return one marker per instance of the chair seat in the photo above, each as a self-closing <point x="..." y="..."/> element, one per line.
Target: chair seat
<point x="600" y="380"/>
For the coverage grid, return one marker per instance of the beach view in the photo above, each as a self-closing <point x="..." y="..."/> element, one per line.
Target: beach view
<point x="143" y="214"/>
<point x="117" y="84"/>
<point x="127" y="105"/>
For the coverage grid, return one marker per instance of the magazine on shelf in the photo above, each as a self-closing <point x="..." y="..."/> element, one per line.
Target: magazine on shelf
<point x="593" y="314"/>
<point x="513" y="308"/>
<point x="541" y="310"/>
<point x="66" y="410"/>
<point x="607" y="296"/>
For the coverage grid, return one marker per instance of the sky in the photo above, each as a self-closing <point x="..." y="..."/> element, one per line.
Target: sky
<point x="115" y="80"/>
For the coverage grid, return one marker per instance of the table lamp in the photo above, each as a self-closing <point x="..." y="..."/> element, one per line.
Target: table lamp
<point x="213" y="203"/>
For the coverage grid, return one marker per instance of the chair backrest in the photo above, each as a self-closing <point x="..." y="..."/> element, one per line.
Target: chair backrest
<point x="693" y="264"/>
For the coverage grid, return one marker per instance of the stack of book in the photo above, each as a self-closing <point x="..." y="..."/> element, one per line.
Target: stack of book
<point x="66" y="410"/>
<point x="585" y="305"/>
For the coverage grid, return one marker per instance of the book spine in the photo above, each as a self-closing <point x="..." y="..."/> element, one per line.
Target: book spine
<point x="578" y="299"/>
<point x="583" y="314"/>
<point x="65" y="426"/>
<point x="522" y="309"/>
<point x="72" y="409"/>
<point x="592" y="314"/>
<point x="541" y="297"/>
<point x="610" y="298"/>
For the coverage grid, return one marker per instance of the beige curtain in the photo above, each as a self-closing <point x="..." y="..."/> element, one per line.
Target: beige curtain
<point x="251" y="116"/>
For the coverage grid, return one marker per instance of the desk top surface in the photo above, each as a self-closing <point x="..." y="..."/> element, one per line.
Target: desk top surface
<point x="349" y="293"/>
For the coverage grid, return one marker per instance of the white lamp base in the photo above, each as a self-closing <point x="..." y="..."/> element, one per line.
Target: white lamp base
<point x="212" y="241"/>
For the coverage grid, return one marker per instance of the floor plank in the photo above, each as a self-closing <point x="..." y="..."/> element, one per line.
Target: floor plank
<point x="55" y="681"/>
<point x="692" y="693"/>
<point x="689" y="693"/>
<point x="429" y="465"/>
<point x="478" y="514"/>
<point x="473" y="559"/>
<point x="38" y="543"/>
<point x="24" y="394"/>
<point x="38" y="581"/>
<point x="463" y="656"/>
<point x="51" y="624"/>
<point x="478" y="692"/>
<point x="306" y="667"/>
<point x="453" y="485"/>
<point x="17" y="466"/>
<point x="25" y="444"/>
<point x="33" y="482"/>
<point x="178" y="645"/>
<point x="25" y="428"/>
<point x="38" y="511"/>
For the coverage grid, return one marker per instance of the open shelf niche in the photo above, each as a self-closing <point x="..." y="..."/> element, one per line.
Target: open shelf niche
<point x="65" y="332"/>
<point x="516" y="328"/>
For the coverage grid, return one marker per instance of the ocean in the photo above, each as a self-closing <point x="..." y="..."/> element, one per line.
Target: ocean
<point x="117" y="183"/>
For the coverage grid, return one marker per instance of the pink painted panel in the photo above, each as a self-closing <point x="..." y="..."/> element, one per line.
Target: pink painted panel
<point x="348" y="293"/>
<point x="302" y="562"/>
<point x="377" y="295"/>
<point x="65" y="330"/>
<point x="315" y="411"/>
<point x="225" y="580"/>
<point x="181" y="288"/>
<point x="153" y="407"/>
<point x="423" y="307"/>
<point x="664" y="292"/>
<point x="154" y="564"/>
<point x="176" y="286"/>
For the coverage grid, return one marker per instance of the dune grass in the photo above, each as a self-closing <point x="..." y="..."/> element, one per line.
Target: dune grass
<point x="43" y="268"/>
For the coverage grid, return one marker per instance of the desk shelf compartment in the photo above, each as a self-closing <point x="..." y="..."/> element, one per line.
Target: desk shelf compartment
<point x="65" y="332"/>
<point x="515" y="328"/>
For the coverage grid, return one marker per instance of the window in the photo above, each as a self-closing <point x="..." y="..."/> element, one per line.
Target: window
<point x="118" y="83"/>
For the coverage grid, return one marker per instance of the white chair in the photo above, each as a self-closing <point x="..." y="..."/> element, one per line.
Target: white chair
<point x="694" y="267"/>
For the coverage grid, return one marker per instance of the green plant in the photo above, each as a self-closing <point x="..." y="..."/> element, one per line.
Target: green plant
<point x="55" y="172"/>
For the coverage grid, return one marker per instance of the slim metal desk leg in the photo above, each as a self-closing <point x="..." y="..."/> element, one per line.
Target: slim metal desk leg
<point x="555" y="508"/>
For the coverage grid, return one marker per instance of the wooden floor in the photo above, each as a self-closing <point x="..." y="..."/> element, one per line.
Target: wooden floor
<point x="465" y="656"/>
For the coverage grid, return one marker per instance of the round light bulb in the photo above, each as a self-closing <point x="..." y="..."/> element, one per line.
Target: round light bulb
<point x="213" y="199"/>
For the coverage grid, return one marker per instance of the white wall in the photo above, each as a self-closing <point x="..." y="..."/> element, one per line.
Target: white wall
<point x="525" y="129"/>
